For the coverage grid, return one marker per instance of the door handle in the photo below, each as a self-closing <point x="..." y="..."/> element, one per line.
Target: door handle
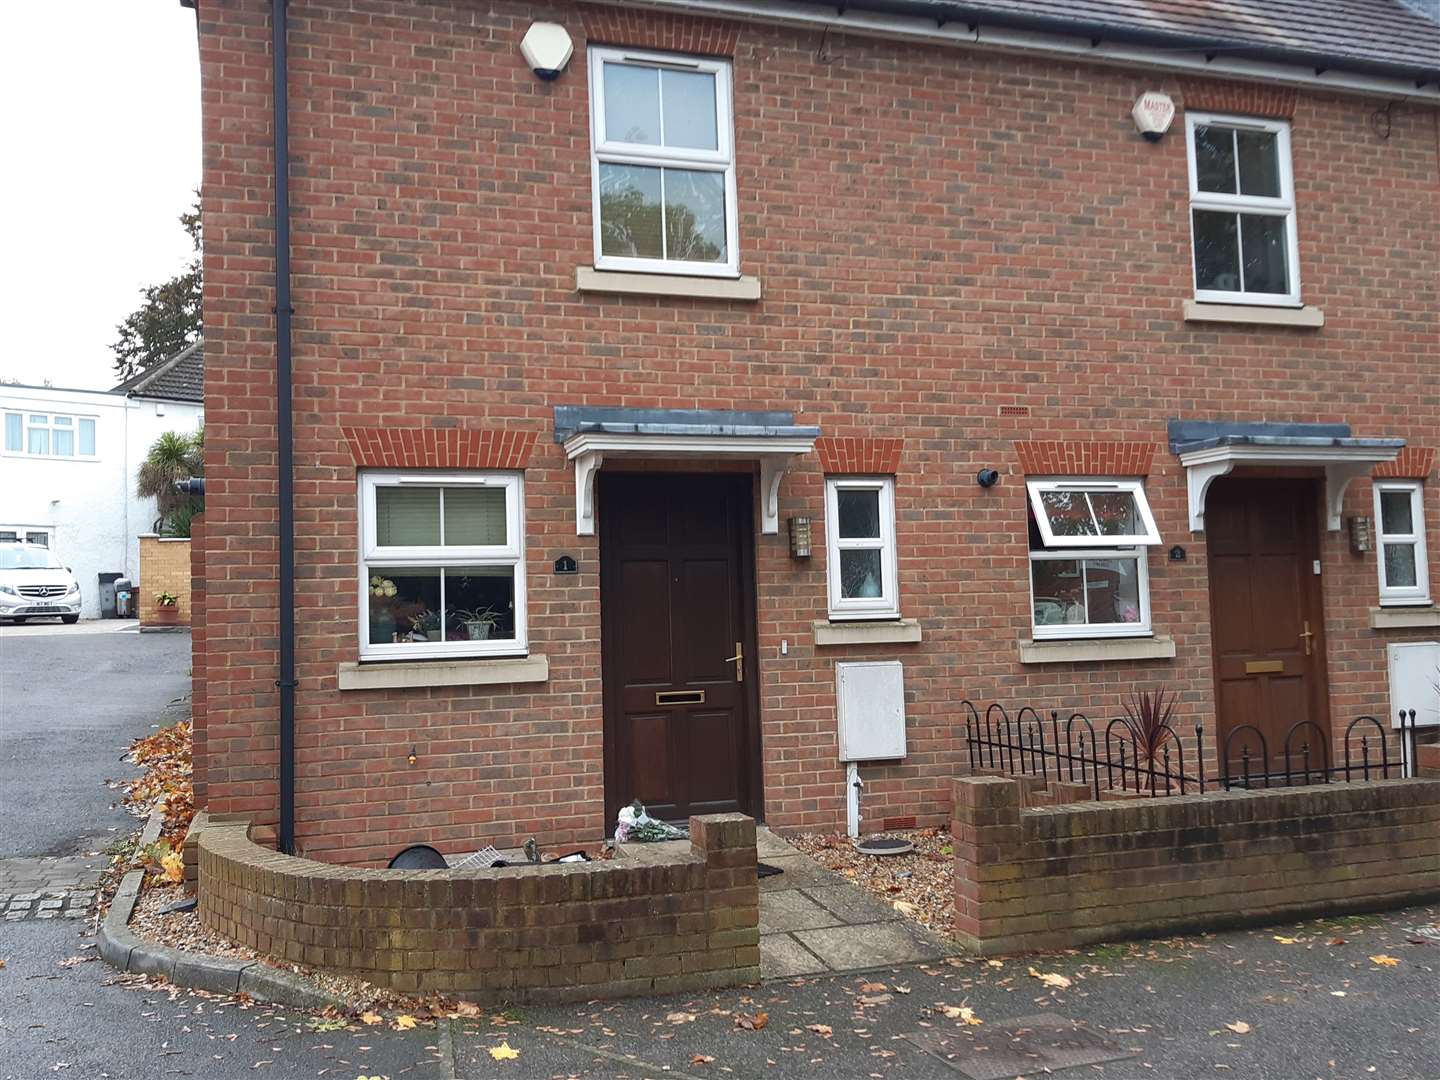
<point x="1306" y="636"/>
<point x="739" y="661"/>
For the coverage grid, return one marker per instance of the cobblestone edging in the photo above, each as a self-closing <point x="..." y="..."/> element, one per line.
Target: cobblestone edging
<point x="125" y="951"/>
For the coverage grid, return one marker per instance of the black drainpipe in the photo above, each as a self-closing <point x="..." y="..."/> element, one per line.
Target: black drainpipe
<point x="284" y="436"/>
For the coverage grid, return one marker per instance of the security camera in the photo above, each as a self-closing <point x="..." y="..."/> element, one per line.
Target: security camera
<point x="547" y="49"/>
<point x="987" y="478"/>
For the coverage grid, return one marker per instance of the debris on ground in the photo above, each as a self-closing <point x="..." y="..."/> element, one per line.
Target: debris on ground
<point x="919" y="885"/>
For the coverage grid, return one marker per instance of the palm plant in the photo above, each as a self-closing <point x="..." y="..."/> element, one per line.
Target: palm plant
<point x="174" y="456"/>
<point x="1147" y="719"/>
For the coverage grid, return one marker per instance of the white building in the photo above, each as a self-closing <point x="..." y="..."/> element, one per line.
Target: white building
<point x="68" y="460"/>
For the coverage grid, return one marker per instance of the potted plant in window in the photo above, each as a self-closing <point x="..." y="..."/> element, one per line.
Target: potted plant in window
<point x="167" y="609"/>
<point x="425" y="627"/>
<point x="479" y="623"/>
<point x="382" y="617"/>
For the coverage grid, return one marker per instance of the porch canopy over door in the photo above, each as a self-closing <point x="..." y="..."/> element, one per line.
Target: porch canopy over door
<point x="1209" y="449"/>
<point x="592" y="435"/>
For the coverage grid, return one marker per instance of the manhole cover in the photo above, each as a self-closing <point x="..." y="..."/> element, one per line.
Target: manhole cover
<point x="883" y="845"/>
<point x="1028" y="1045"/>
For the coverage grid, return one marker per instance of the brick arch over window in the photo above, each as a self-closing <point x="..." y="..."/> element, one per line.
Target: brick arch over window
<point x="1414" y="463"/>
<point x="859" y="456"/>
<point x="659" y="30"/>
<point x="433" y="448"/>
<point x="1244" y="98"/>
<point x="1085" y="458"/>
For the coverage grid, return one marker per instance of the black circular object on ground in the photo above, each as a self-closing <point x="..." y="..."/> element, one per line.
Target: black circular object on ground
<point x="884" y="845"/>
<point x="418" y="857"/>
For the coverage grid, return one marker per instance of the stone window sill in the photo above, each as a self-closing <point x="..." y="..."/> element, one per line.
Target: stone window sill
<point x="892" y="632"/>
<point x="405" y="676"/>
<point x="1090" y="649"/>
<point x="1401" y="618"/>
<point x="588" y="279"/>
<point x="1254" y="314"/>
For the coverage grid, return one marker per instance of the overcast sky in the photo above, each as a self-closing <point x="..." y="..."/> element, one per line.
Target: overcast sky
<point x="101" y="151"/>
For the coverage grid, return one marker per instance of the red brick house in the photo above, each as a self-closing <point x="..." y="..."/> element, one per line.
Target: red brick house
<point x="635" y="401"/>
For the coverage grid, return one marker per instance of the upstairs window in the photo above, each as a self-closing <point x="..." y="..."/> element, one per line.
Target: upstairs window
<point x="49" y="435"/>
<point x="860" y="547"/>
<point x="1088" y="576"/>
<point x="1242" y="210"/>
<point x="1400" y="542"/>
<point x="662" y="163"/>
<point x="442" y="569"/>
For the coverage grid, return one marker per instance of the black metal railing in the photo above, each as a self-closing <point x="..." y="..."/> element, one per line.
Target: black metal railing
<point x="1127" y="759"/>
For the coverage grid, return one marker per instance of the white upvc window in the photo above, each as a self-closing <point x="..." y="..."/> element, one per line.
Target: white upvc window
<point x="662" y="163"/>
<point x="1242" y="210"/>
<point x="1088" y="573"/>
<point x="1400" y="542"/>
<point x="442" y="568"/>
<point x="860" y="547"/>
<point x="46" y="434"/>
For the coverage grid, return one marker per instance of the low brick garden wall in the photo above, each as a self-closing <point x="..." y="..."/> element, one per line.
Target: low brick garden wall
<point x="1054" y="877"/>
<point x="557" y="932"/>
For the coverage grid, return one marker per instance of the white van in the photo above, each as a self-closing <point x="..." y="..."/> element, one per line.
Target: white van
<point x="34" y="583"/>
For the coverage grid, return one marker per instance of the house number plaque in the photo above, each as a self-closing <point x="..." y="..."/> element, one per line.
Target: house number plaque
<point x="566" y="564"/>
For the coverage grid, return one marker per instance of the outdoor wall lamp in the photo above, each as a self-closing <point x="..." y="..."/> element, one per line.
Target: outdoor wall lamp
<point x="412" y="757"/>
<point x="800" y="538"/>
<point x="1359" y="533"/>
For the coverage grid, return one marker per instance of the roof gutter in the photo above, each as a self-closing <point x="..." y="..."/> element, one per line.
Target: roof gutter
<point x="284" y="433"/>
<point x="976" y="25"/>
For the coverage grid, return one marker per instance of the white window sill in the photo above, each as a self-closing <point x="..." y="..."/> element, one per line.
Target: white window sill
<point x="402" y="676"/>
<point x="1080" y="650"/>
<point x="890" y="632"/>
<point x="1254" y="314"/>
<point x="588" y="279"/>
<point x="1400" y="618"/>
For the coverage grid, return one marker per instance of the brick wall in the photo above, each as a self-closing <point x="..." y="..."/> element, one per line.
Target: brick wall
<point x="164" y="567"/>
<point x="960" y="250"/>
<point x="519" y="934"/>
<point x="197" y="659"/>
<point x="1063" y="876"/>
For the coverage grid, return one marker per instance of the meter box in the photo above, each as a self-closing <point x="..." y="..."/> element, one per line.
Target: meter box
<point x="870" y="697"/>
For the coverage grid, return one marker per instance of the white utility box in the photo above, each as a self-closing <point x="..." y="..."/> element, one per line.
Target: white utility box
<point x="1415" y="682"/>
<point x="870" y="695"/>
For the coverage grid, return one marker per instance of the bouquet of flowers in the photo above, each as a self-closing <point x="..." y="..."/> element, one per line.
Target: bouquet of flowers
<point x="382" y="589"/>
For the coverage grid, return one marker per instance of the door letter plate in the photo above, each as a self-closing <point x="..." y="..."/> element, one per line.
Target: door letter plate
<point x="1264" y="667"/>
<point x="679" y="697"/>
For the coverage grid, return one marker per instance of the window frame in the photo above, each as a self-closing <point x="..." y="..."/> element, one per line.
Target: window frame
<point x="27" y="424"/>
<point x="1070" y="631"/>
<point x="510" y="554"/>
<point x="1403" y="595"/>
<point x="1037" y="487"/>
<point x="1280" y="206"/>
<point x="603" y="150"/>
<point x="887" y="604"/>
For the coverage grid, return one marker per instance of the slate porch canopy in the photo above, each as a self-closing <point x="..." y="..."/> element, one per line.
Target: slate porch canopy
<point x="1209" y="449"/>
<point x="590" y="435"/>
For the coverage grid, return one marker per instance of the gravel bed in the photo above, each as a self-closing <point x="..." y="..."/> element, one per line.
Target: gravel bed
<point x="920" y="885"/>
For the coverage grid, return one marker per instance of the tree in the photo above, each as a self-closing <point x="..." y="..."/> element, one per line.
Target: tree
<point x="169" y="319"/>
<point x="174" y="456"/>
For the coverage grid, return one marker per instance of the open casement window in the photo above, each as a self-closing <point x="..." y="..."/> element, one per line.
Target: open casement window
<point x="860" y="547"/>
<point x="1088" y="576"/>
<point x="442" y="571"/>
<point x="1400" y="542"/>
<point x="662" y="163"/>
<point x="1242" y="210"/>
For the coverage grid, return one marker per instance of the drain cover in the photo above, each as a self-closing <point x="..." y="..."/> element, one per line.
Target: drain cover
<point x="1022" y="1047"/>
<point x="883" y="845"/>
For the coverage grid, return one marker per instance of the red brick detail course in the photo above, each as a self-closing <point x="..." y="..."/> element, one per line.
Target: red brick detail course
<point x="1414" y="463"/>
<point x="857" y="455"/>
<point x="448" y="448"/>
<point x="656" y="30"/>
<point x="1066" y="876"/>
<point x="1085" y="458"/>
<point x="559" y="932"/>
<point x="198" y="753"/>
<point x="1233" y="96"/>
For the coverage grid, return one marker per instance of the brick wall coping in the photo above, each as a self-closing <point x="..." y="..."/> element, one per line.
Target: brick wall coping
<point x="557" y="932"/>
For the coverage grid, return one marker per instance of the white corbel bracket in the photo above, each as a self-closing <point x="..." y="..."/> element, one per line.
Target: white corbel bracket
<point x="775" y="453"/>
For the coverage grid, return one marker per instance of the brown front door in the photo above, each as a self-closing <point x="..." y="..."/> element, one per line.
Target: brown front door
<point x="677" y="606"/>
<point x="1263" y="538"/>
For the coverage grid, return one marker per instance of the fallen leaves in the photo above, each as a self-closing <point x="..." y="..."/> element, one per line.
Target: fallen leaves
<point x="1384" y="961"/>
<point x="404" y="1022"/>
<point x="504" y="1052"/>
<point x="701" y="1059"/>
<point x="371" y="1018"/>
<point x="1287" y="940"/>
<point x="752" y="1021"/>
<point x="680" y="1018"/>
<point x="1239" y="1027"/>
<point x="1050" y="979"/>
<point x="963" y="1013"/>
<point x="823" y="1030"/>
